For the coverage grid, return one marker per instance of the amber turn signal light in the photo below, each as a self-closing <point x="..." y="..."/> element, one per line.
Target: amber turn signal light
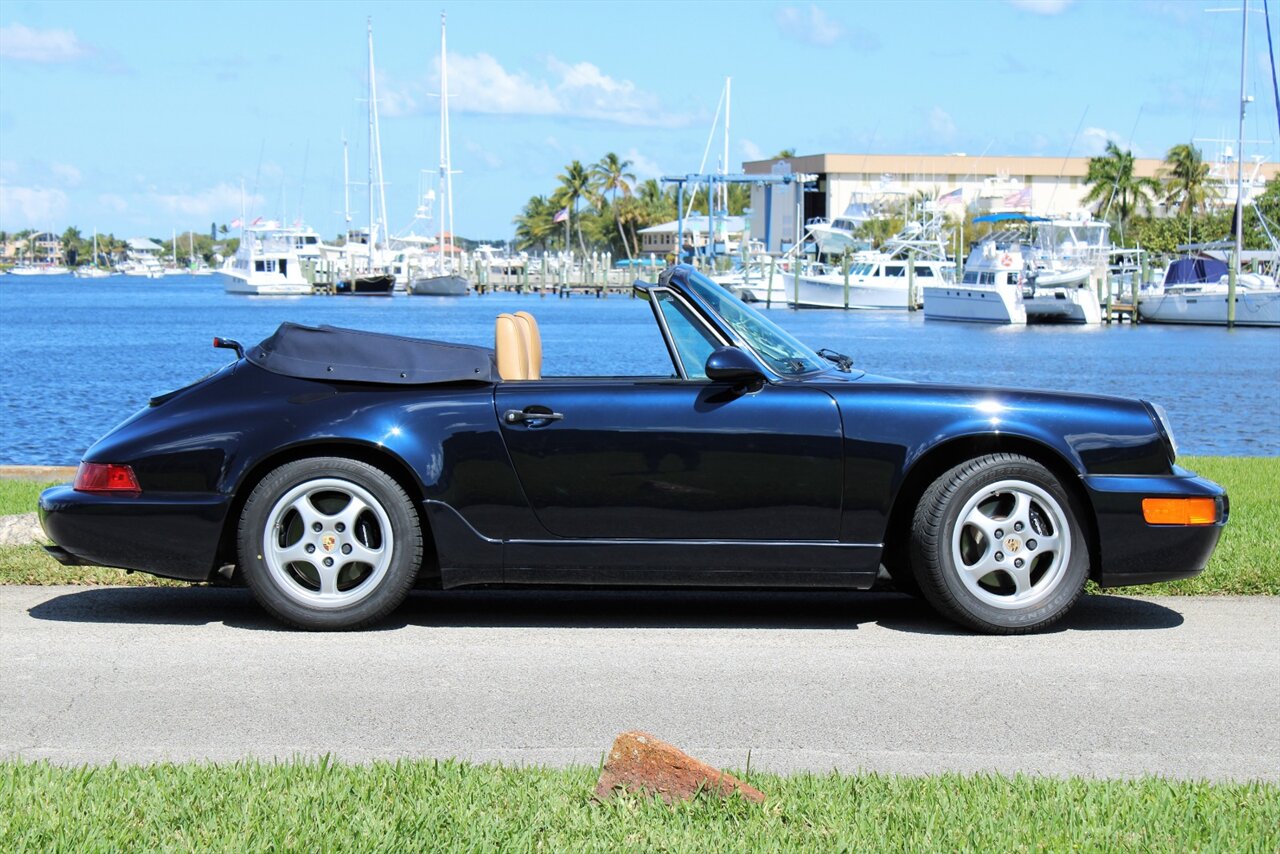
<point x="1180" y="511"/>
<point x="105" y="477"/>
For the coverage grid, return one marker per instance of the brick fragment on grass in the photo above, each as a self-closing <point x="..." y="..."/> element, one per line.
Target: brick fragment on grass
<point x="639" y="763"/>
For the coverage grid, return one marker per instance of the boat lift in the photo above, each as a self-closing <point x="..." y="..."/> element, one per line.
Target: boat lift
<point x="782" y="175"/>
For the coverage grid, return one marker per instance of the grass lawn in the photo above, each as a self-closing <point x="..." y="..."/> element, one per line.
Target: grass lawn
<point x="427" y="805"/>
<point x="1246" y="562"/>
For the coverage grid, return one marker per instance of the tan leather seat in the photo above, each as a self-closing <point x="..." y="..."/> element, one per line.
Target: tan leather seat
<point x="511" y="347"/>
<point x="535" y="344"/>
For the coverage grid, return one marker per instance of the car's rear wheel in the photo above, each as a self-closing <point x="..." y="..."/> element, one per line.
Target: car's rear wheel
<point x="329" y="543"/>
<point x="997" y="545"/>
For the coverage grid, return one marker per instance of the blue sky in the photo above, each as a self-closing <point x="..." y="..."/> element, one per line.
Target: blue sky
<point x="137" y="118"/>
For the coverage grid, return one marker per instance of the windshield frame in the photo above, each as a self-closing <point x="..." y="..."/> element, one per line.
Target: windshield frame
<point x="696" y="288"/>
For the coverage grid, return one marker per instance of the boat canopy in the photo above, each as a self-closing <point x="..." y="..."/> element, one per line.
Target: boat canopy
<point x="1189" y="271"/>
<point x="1009" y="216"/>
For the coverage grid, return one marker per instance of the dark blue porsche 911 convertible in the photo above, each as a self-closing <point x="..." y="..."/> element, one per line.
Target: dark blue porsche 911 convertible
<point x="333" y="470"/>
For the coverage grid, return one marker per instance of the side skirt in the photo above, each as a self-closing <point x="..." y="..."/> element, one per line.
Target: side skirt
<point x="467" y="557"/>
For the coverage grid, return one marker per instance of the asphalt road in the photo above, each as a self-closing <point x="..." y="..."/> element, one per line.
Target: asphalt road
<point x="1185" y="687"/>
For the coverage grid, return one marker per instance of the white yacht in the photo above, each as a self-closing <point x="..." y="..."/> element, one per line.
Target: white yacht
<point x="1064" y="258"/>
<point x="1038" y="272"/>
<point x="266" y="264"/>
<point x="990" y="290"/>
<point x="879" y="278"/>
<point x="1195" y="291"/>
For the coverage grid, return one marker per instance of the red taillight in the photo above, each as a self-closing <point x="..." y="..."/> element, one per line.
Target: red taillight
<point x="105" y="477"/>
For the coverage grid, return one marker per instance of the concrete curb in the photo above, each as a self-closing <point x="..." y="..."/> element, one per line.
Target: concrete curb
<point x="38" y="473"/>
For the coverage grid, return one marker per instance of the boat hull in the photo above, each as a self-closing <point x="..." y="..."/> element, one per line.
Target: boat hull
<point x="1063" y="305"/>
<point x="377" y="285"/>
<point x="829" y="292"/>
<point x="438" y="286"/>
<point x="1253" y="308"/>
<point x="996" y="304"/>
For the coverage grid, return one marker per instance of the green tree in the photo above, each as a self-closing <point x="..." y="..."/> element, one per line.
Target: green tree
<point x="784" y="154"/>
<point x="535" y="226"/>
<point x="575" y="185"/>
<point x="611" y="176"/>
<point x="72" y="246"/>
<point x="1113" y="184"/>
<point x="1186" y="180"/>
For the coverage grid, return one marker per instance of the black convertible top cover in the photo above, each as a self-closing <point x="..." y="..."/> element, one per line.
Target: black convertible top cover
<point x="353" y="355"/>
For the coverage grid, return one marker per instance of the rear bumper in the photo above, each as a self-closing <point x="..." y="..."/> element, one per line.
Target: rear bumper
<point x="172" y="534"/>
<point x="1131" y="551"/>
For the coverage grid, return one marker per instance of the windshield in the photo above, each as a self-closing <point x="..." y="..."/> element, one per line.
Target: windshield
<point x="783" y="353"/>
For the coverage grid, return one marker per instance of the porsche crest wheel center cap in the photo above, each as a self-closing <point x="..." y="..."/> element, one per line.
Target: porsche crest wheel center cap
<point x="328" y="542"/>
<point x="1011" y="544"/>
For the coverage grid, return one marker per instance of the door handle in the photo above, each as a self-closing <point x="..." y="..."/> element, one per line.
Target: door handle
<point x="518" y="416"/>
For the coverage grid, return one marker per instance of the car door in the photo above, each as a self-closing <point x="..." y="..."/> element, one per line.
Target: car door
<point x="681" y="458"/>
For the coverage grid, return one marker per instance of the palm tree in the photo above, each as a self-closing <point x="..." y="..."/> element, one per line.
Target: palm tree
<point x="784" y="154"/>
<point x="1112" y="180"/>
<point x="611" y="176"/>
<point x="1186" y="180"/>
<point x="535" y="225"/>
<point x="575" y="185"/>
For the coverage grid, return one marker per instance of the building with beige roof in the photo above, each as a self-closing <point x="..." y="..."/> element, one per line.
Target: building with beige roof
<point x="857" y="184"/>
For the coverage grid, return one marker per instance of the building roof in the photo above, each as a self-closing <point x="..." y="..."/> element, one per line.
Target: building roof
<point x="698" y="224"/>
<point x="142" y="244"/>
<point x="958" y="164"/>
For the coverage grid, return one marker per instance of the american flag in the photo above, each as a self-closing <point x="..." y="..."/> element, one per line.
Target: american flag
<point x="955" y="197"/>
<point x="1020" y="199"/>
<point x="561" y="216"/>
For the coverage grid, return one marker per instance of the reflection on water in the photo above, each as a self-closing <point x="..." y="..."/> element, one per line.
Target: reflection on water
<point x="79" y="356"/>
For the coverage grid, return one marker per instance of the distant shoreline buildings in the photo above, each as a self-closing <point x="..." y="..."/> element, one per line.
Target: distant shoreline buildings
<point x="860" y="184"/>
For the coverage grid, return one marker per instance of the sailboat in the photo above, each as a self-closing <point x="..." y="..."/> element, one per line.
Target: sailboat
<point x="373" y="281"/>
<point x="444" y="280"/>
<point x="92" y="271"/>
<point x="1199" y="288"/>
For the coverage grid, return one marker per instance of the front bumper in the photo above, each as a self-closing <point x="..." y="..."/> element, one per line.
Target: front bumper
<point x="1131" y="551"/>
<point x="175" y="535"/>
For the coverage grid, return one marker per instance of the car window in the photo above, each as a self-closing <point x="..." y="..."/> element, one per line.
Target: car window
<point x="782" y="352"/>
<point x="693" y="341"/>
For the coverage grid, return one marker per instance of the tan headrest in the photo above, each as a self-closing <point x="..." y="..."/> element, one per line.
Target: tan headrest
<point x="511" y="348"/>
<point x="535" y="344"/>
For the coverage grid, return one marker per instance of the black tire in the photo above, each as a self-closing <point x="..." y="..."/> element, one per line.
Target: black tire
<point x="965" y="567"/>
<point x="282" y="554"/>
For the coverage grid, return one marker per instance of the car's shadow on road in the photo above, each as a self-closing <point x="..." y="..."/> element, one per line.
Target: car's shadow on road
<point x="586" y="609"/>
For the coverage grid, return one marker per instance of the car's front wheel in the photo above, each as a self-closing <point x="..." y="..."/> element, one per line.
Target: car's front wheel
<point x="997" y="545"/>
<point x="329" y="543"/>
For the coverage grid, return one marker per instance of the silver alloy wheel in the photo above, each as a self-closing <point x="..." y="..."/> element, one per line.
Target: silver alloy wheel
<point x="1011" y="544"/>
<point x="328" y="543"/>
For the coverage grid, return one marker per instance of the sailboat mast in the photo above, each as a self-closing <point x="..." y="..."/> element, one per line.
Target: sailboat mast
<point x="369" y="242"/>
<point x="446" y="167"/>
<point x="346" y="185"/>
<point x="1239" y="172"/>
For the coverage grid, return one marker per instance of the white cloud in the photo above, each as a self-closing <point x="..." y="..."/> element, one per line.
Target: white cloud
<point x="1042" y="7"/>
<point x="751" y="151"/>
<point x="811" y="25"/>
<point x="31" y="207"/>
<point x="1094" y="140"/>
<point x="642" y="167"/>
<point x="221" y="202"/>
<point x="43" y="46"/>
<point x="487" y="157"/>
<point x="112" y="202"/>
<point x="66" y="173"/>
<point x="480" y="84"/>
<point x="941" y="125"/>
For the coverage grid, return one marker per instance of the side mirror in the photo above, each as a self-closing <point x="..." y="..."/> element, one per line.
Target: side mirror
<point x="729" y="364"/>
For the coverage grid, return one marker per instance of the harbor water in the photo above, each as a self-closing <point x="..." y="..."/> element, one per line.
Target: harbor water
<point x="81" y="355"/>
